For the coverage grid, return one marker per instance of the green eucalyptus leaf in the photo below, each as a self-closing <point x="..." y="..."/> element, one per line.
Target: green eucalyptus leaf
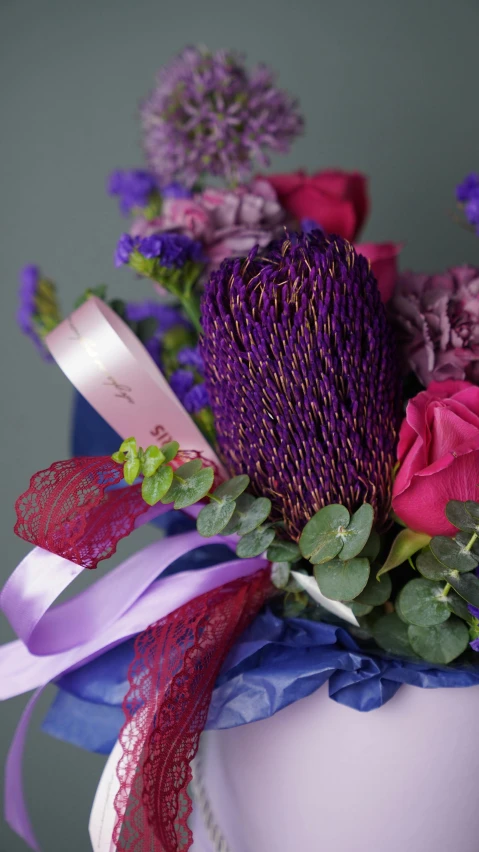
<point x="249" y="514"/>
<point x="422" y="603"/>
<point x="118" y="457"/>
<point x="377" y="591"/>
<point x="397" y="607"/>
<point x="458" y="515"/>
<point x="372" y="547"/>
<point x="322" y="537"/>
<point x="466" y="585"/>
<point x="191" y="490"/>
<point x="357" y="534"/>
<point x="472" y="508"/>
<point x="464" y="539"/>
<point x="154" y="487"/>
<point x="359" y="609"/>
<point x="190" y="468"/>
<point x="280" y="573"/>
<point x="451" y="553"/>
<point x="170" y="450"/>
<point x="214" y="517"/>
<point x="294" y="605"/>
<point x="406" y="544"/>
<point x="342" y="581"/>
<point x="151" y="460"/>
<point x="255" y="543"/>
<point x="283" y="551"/>
<point x="129" y="446"/>
<point x="458" y="606"/>
<point x="131" y="469"/>
<point x="441" y="643"/>
<point x="429" y="567"/>
<point x="391" y="634"/>
<point x="232" y="488"/>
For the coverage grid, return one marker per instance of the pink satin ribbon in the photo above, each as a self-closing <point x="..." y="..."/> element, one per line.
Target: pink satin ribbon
<point x="108" y="365"/>
<point x="111" y="368"/>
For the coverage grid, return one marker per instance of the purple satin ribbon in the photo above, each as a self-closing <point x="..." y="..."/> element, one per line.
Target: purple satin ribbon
<point x="119" y="605"/>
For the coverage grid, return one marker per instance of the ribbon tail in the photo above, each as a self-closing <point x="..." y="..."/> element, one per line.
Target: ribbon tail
<point x="171" y="679"/>
<point x="16" y="813"/>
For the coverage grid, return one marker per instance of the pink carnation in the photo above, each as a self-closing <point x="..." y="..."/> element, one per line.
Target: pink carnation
<point x="229" y="222"/>
<point x="437" y="319"/>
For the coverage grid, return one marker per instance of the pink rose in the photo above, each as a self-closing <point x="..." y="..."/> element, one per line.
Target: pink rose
<point x="439" y="455"/>
<point x="185" y="215"/>
<point x="383" y="260"/>
<point x="338" y="201"/>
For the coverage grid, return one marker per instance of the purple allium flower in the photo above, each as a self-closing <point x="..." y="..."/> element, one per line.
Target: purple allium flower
<point x="28" y="312"/>
<point x="209" y="114"/>
<point x="467" y="188"/>
<point x="124" y="249"/>
<point x="301" y="374"/>
<point x="196" y="399"/>
<point x="133" y="187"/>
<point x="190" y="356"/>
<point x="171" y="250"/>
<point x="181" y="381"/>
<point x="437" y="323"/>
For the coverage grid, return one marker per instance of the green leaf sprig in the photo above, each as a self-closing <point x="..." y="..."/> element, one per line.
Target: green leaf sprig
<point x="229" y="510"/>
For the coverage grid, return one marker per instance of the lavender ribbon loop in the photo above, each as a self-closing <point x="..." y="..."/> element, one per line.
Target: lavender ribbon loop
<point x="118" y="606"/>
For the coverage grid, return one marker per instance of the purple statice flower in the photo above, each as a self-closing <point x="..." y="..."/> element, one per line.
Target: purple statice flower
<point x="468" y="188"/>
<point x="196" y="399"/>
<point x="436" y="318"/>
<point x="475" y="612"/>
<point x="166" y="316"/>
<point x="471" y="209"/>
<point x="171" y="249"/>
<point x="27" y="315"/>
<point x="190" y="356"/>
<point x="181" y="381"/>
<point x="209" y="114"/>
<point x="175" y="190"/>
<point x="133" y="187"/>
<point x="301" y="374"/>
<point x="124" y="249"/>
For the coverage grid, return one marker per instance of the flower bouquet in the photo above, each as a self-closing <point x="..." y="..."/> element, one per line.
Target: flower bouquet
<point x="301" y="423"/>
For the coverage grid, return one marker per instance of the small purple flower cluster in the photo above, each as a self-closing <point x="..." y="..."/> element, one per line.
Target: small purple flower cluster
<point x="133" y="187"/>
<point x="209" y="114"/>
<point x="30" y="278"/>
<point x="467" y="193"/>
<point x="191" y="393"/>
<point x="170" y="249"/>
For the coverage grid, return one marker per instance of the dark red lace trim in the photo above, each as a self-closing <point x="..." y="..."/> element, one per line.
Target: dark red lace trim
<point x="177" y="661"/>
<point x="69" y="510"/>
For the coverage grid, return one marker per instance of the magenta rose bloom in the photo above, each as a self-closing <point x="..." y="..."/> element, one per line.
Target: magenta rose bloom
<point x="437" y="320"/>
<point x="438" y="453"/>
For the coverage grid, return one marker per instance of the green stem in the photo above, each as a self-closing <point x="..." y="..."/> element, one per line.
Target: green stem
<point x="446" y="590"/>
<point x="470" y="543"/>
<point x="191" y="308"/>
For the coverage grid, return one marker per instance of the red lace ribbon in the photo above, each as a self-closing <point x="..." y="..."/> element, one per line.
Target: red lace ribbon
<point x="72" y="510"/>
<point x="176" y="663"/>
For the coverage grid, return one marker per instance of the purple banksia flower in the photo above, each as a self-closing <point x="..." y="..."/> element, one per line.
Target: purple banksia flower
<point x="301" y="374"/>
<point x="209" y="114"/>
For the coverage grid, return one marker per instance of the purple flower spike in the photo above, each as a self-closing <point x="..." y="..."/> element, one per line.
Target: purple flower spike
<point x="133" y="188"/>
<point x="467" y="188"/>
<point x="27" y="315"/>
<point x="124" y="249"/>
<point x="171" y="250"/>
<point x="209" y="114"/>
<point x="301" y="373"/>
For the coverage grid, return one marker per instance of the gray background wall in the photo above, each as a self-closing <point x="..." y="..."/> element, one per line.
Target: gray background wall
<point x="387" y="86"/>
